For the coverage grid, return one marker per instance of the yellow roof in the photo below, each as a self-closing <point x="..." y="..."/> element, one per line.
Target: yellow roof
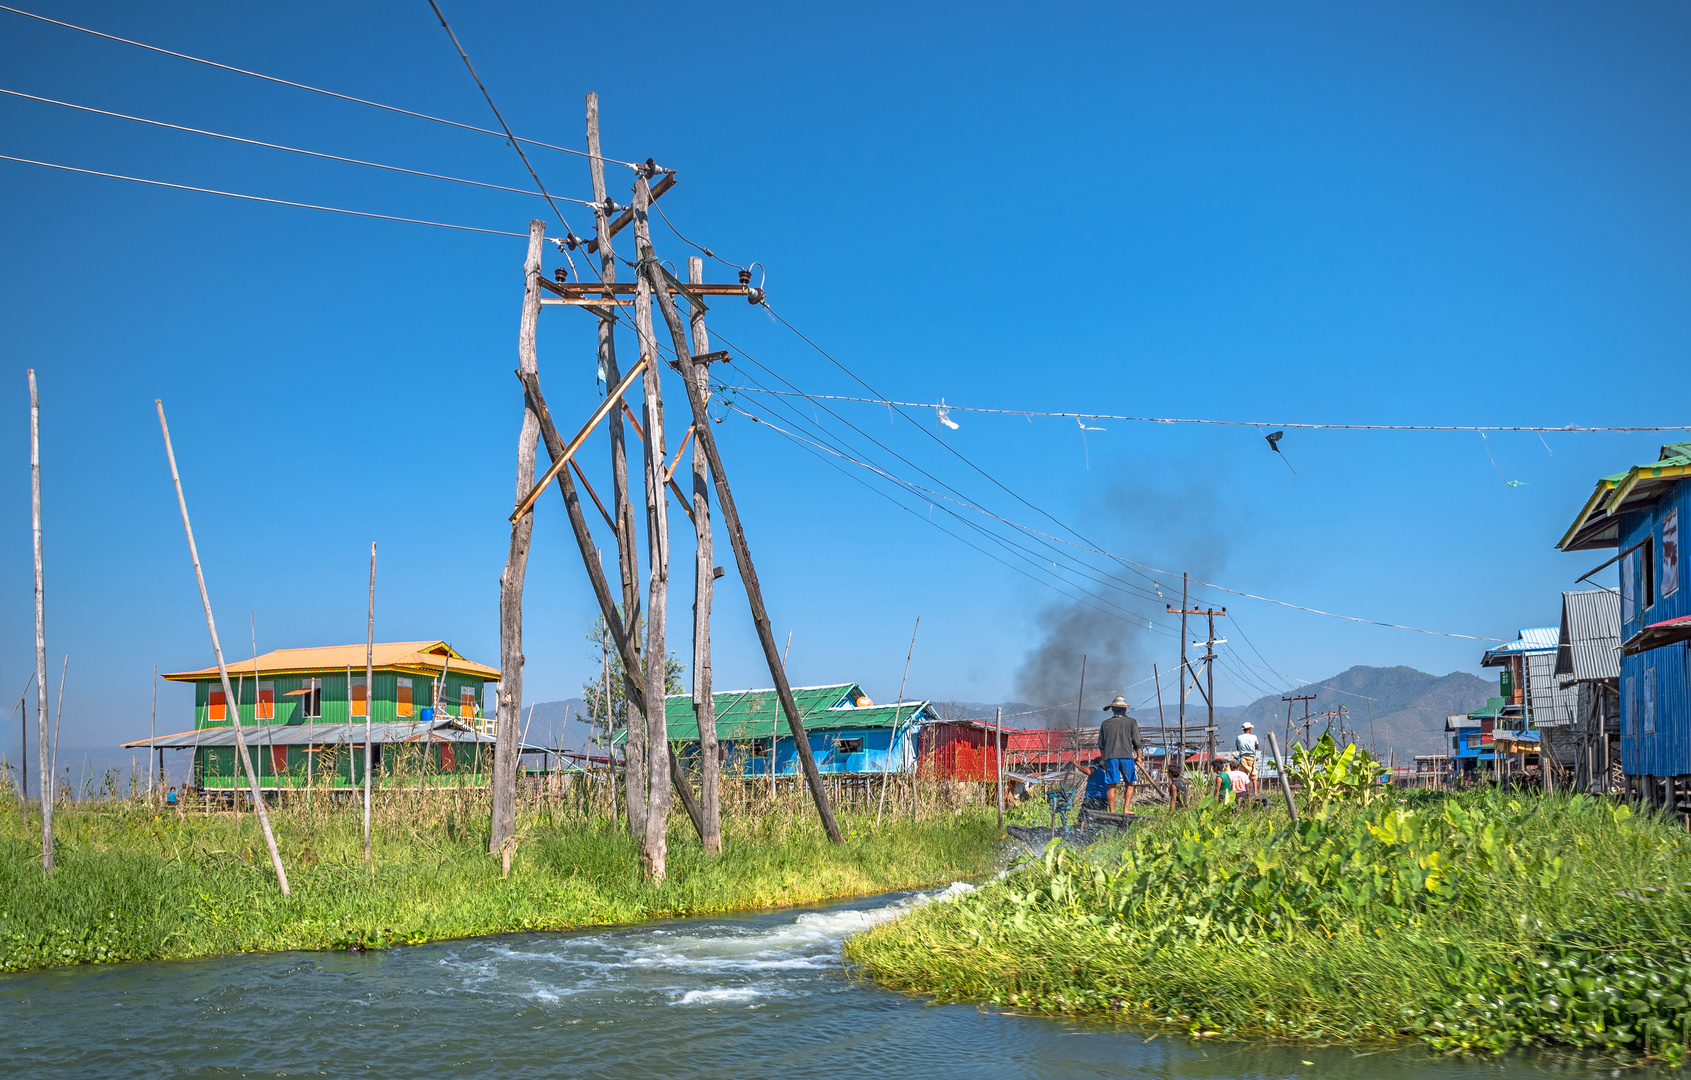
<point x="427" y="657"/>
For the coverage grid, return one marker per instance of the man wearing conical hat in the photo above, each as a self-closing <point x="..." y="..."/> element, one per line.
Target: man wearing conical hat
<point x="1119" y="744"/>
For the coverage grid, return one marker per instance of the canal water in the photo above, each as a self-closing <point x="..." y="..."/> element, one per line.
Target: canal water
<point x="750" y="996"/>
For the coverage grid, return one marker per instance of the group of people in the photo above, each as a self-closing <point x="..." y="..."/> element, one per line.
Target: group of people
<point x="1116" y="769"/>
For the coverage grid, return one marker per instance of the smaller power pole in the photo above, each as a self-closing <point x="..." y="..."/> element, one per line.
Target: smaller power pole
<point x="1288" y="699"/>
<point x="1208" y="660"/>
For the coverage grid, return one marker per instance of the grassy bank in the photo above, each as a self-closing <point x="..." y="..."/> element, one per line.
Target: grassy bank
<point x="134" y="882"/>
<point x="1474" y="921"/>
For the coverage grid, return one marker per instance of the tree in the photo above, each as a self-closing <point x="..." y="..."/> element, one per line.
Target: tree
<point x="593" y="691"/>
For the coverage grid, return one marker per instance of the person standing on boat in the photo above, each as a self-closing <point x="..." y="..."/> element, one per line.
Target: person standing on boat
<point x="1119" y="744"/>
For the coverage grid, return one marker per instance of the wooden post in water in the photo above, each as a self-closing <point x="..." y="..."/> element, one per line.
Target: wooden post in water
<point x="44" y="778"/>
<point x="369" y="695"/>
<point x="657" y="548"/>
<point x="628" y="555"/>
<point x="743" y="558"/>
<point x="704" y="585"/>
<point x="222" y="668"/>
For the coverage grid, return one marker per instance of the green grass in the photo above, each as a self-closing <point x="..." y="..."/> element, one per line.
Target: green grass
<point x="1472" y="922"/>
<point x="133" y="882"/>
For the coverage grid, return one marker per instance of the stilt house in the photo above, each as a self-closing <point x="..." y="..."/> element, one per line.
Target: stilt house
<point x="303" y="714"/>
<point x="847" y="732"/>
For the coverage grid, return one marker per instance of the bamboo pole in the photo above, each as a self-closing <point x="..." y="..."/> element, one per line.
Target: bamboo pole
<point x="657" y="553"/>
<point x="58" y="725"/>
<point x="153" y="734"/>
<point x="628" y="555"/>
<point x="23" y="721"/>
<point x="998" y="756"/>
<point x="743" y="558"/>
<point x="44" y="782"/>
<point x="222" y="668"/>
<point x="886" y="772"/>
<point x="704" y="589"/>
<point x="369" y="694"/>
<point x="505" y="753"/>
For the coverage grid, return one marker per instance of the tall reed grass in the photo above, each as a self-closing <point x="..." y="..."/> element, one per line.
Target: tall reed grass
<point x="136" y="879"/>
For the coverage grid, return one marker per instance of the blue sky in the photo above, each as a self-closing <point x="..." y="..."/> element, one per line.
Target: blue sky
<point x="1394" y="213"/>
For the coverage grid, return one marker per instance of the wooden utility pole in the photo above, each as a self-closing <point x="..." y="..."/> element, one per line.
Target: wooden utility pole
<point x="44" y="778"/>
<point x="628" y="556"/>
<point x="1185" y="584"/>
<point x="1208" y="659"/>
<point x="234" y="710"/>
<point x="657" y="550"/>
<point x="704" y="585"/>
<point x="369" y="695"/>
<point x="507" y="730"/>
<point x="1288" y="699"/>
<point x="742" y="556"/>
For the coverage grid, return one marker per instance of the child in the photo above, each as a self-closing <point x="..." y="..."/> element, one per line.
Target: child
<point x="1097" y="795"/>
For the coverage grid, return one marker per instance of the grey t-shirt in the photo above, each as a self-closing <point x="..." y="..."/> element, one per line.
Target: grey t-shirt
<point x="1118" y="737"/>
<point x="1246" y="743"/>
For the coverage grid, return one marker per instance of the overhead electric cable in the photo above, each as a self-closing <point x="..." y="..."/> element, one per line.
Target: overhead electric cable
<point x="279" y="146"/>
<point x="303" y="86"/>
<point x="950" y="407"/>
<point x="569" y="233"/>
<point x="260" y="198"/>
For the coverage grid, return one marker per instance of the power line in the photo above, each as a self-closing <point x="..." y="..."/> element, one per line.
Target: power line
<point x="569" y="233"/>
<point x="279" y="146"/>
<point x="303" y="86"/>
<point x="260" y="198"/>
<point x="949" y="407"/>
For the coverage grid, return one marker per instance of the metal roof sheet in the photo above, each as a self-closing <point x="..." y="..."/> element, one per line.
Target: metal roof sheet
<point x="1589" y="646"/>
<point x="1596" y="526"/>
<point x="1532" y="639"/>
<point x="421" y="656"/>
<point x="755" y="713"/>
<point x="383" y="732"/>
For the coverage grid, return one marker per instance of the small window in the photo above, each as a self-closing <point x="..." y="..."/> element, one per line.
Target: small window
<point x="467" y="701"/>
<point x="448" y="758"/>
<point x="849" y="746"/>
<point x="359" y="698"/>
<point x="402" y="698"/>
<point x="1629" y="707"/>
<point x="266" y="701"/>
<point x="278" y="759"/>
<point x="1649" y="701"/>
<point x="310" y="697"/>
<point x="217" y="706"/>
<point x="1670" y="553"/>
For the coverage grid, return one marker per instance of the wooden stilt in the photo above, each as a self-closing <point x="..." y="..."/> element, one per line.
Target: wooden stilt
<point x="222" y="668"/>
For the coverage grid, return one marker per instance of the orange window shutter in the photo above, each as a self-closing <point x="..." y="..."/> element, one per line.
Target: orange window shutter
<point x="448" y="759"/>
<point x="466" y="702"/>
<point x="278" y="759"/>
<point x="216" y="708"/>
<point x="402" y="699"/>
<point x="267" y="704"/>
<point x="359" y="697"/>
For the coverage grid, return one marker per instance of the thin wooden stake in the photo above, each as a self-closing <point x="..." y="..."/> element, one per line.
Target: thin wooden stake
<point x="153" y="734"/>
<point x="44" y="780"/>
<point x="222" y="668"/>
<point x="23" y="722"/>
<point x="1285" y="781"/>
<point x="901" y="683"/>
<point x="369" y="695"/>
<point x="58" y="725"/>
<point x="998" y="757"/>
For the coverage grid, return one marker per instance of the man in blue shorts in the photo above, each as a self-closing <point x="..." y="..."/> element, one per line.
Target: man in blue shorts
<point x="1119" y="744"/>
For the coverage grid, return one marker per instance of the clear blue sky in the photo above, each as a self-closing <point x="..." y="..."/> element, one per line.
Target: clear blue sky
<point x="1392" y="213"/>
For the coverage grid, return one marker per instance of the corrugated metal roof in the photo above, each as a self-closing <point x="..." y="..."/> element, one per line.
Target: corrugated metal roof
<point x="1589" y="646"/>
<point x="422" y="656"/>
<point x="387" y="731"/>
<point x="1597" y="525"/>
<point x="1532" y="639"/>
<point x="754" y="714"/>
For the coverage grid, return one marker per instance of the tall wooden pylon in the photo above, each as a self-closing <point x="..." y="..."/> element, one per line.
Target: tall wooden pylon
<point x="622" y="508"/>
<point x="508" y="727"/>
<point x="697" y="372"/>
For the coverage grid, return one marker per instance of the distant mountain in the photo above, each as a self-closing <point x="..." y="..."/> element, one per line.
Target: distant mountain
<point x="1399" y="709"/>
<point x="558" y="724"/>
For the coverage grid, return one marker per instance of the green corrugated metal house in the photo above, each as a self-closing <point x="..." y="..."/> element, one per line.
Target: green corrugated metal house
<point x="847" y="732"/>
<point x="303" y="716"/>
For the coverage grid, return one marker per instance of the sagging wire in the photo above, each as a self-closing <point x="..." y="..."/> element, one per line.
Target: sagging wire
<point x="700" y="247"/>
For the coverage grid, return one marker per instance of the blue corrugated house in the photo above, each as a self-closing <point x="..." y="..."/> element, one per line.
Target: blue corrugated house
<point x="1640" y="512"/>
